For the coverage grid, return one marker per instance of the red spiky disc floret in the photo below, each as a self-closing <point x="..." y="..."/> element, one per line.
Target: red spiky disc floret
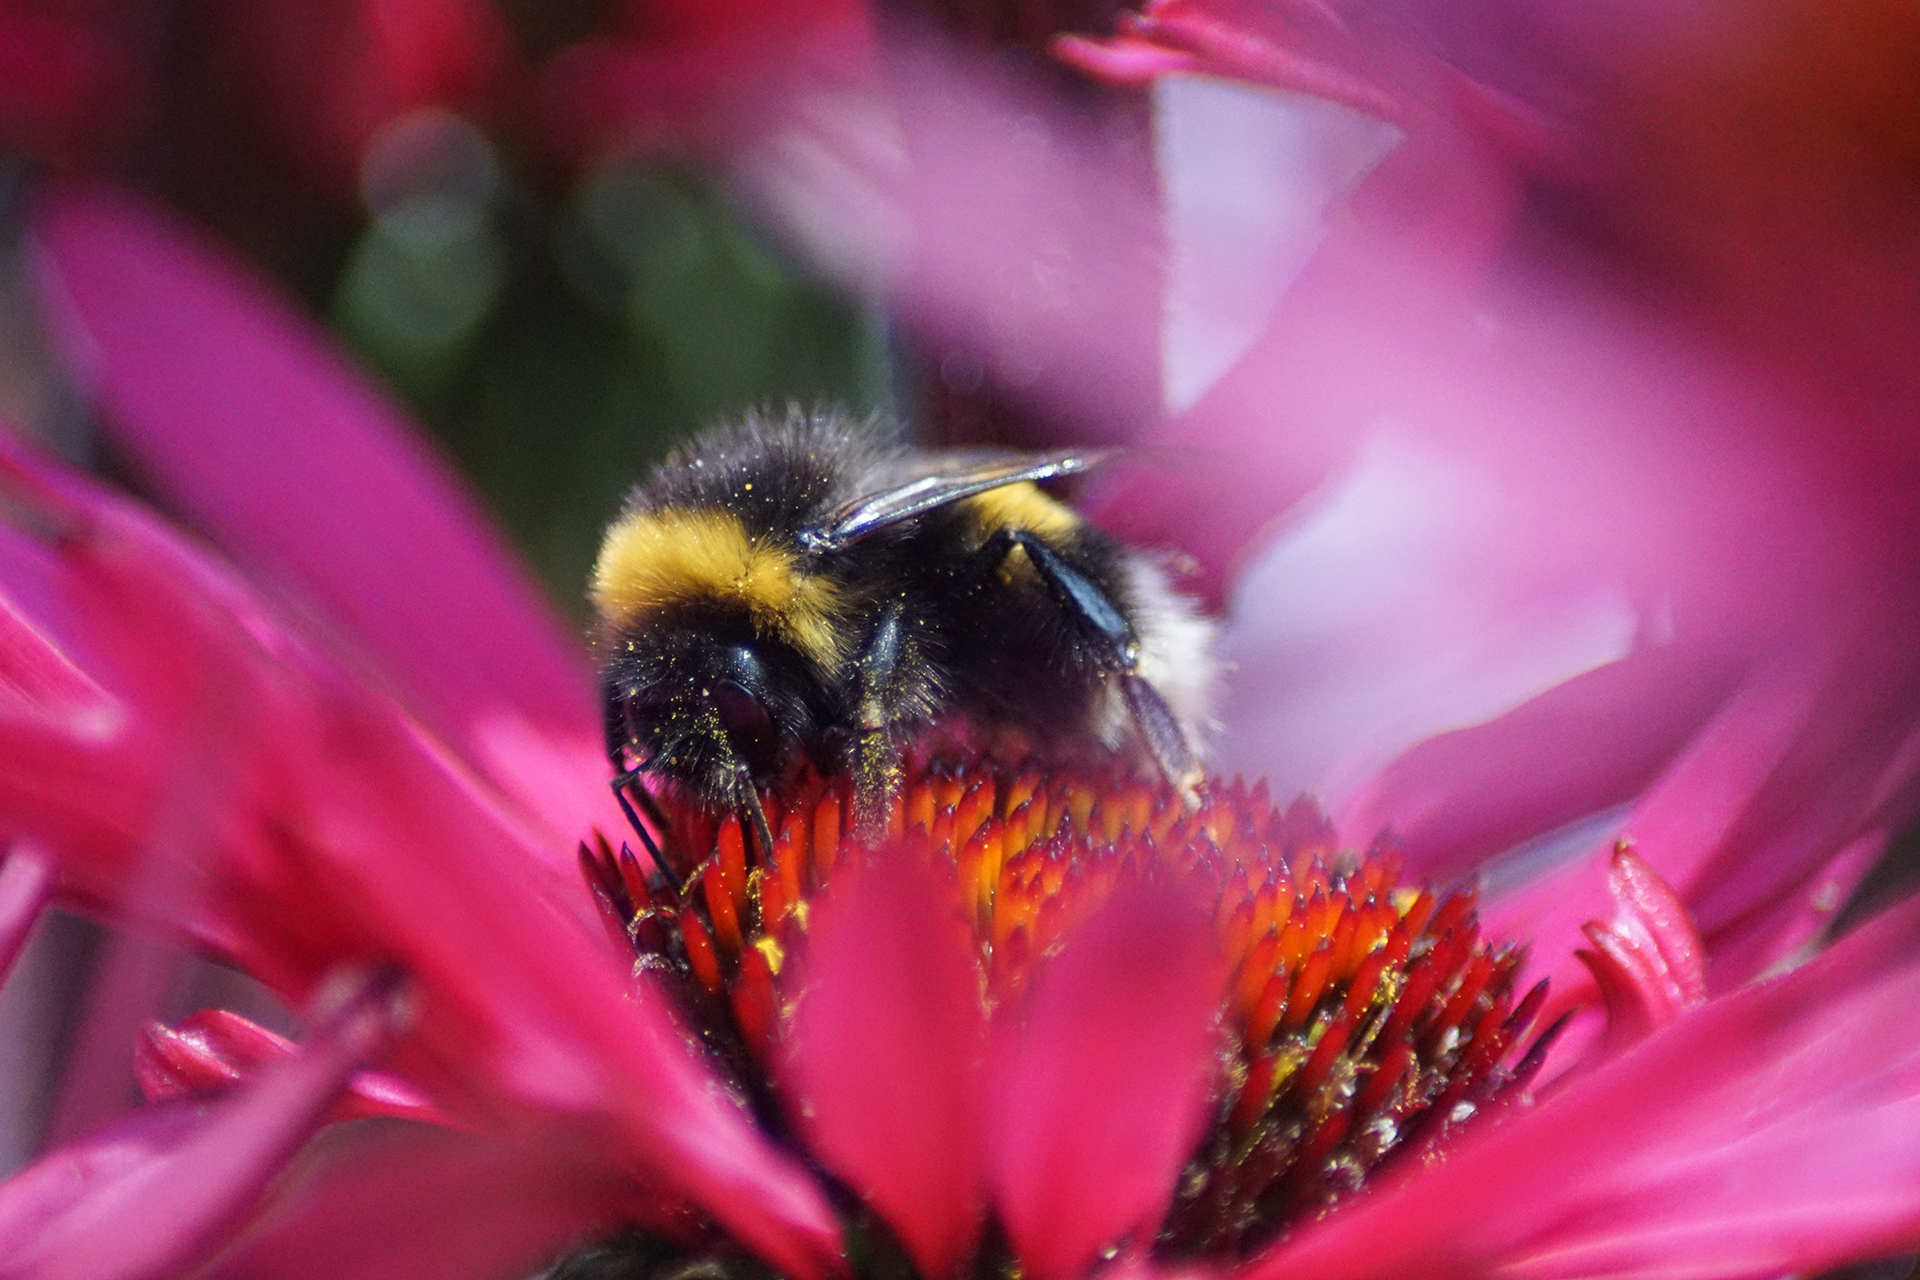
<point x="1365" y="1017"/>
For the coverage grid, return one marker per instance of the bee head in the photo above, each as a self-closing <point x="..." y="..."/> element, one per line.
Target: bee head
<point x="707" y="704"/>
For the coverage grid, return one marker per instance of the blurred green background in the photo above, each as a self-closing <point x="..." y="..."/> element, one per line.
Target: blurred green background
<point x="558" y="346"/>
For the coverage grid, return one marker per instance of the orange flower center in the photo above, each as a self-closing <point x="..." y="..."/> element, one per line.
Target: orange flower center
<point x="1365" y="1017"/>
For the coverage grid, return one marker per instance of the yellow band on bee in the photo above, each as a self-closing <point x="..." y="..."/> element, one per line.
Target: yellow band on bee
<point x="1022" y="506"/>
<point x="653" y="560"/>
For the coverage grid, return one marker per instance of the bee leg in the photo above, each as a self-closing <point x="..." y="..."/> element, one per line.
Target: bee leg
<point x="650" y="806"/>
<point x="1166" y="741"/>
<point x="876" y="782"/>
<point x="754" y="817"/>
<point x="621" y="784"/>
<point x="626" y="783"/>
<point x="1109" y="634"/>
<point x="876" y="766"/>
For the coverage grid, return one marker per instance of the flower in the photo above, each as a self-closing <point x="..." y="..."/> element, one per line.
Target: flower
<point x="286" y="839"/>
<point x="1543" y="487"/>
<point x="372" y="786"/>
<point x="1034" y="955"/>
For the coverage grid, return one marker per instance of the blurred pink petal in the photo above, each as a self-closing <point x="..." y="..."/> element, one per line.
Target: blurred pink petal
<point x="426" y="1204"/>
<point x="1718" y="825"/>
<point x="1773" y="1130"/>
<point x="1099" y="1083"/>
<point x="1646" y="959"/>
<point x="1459" y="796"/>
<point x="40" y="682"/>
<point x="213" y="1050"/>
<point x="1799" y="921"/>
<point x="1186" y="39"/>
<point x="288" y="821"/>
<point x="1009" y="233"/>
<point x="26" y="882"/>
<point x="1630" y="453"/>
<point x="241" y="412"/>
<point x="1123" y="60"/>
<point x="157" y="1194"/>
<point x="887" y="1049"/>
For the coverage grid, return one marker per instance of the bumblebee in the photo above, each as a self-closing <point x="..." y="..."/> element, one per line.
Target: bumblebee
<point x="810" y="591"/>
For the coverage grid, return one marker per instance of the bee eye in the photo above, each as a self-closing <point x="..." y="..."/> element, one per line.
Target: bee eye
<point x="748" y="722"/>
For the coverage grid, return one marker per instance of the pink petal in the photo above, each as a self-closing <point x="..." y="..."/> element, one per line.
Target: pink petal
<point x="1590" y="743"/>
<point x="214" y="1050"/>
<point x="1773" y="1130"/>
<point x="1015" y="237"/>
<point x="887" y="1047"/>
<point x="1416" y="236"/>
<point x="1099" y="1084"/>
<point x="1714" y="828"/>
<point x="308" y="823"/>
<point x="38" y="681"/>
<point x="1796" y="922"/>
<point x="152" y="1196"/>
<point x="131" y="978"/>
<point x="1647" y="960"/>
<point x="238" y="408"/>
<point x="1209" y="46"/>
<point x="26" y="882"/>
<point x="1123" y="60"/>
<point x="425" y="1204"/>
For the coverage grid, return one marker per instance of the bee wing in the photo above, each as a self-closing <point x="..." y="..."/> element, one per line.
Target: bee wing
<point x="944" y="478"/>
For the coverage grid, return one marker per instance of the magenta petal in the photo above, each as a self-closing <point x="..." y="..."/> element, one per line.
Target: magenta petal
<point x="1003" y="256"/>
<point x="39" y="682"/>
<point x="425" y="1204"/>
<point x="153" y="1195"/>
<point x="887" y="1046"/>
<point x="1098" y="1086"/>
<point x="311" y="824"/>
<point x="1646" y="959"/>
<point x="1591" y="742"/>
<point x="1797" y="920"/>
<point x="26" y="881"/>
<point x="1654" y="920"/>
<point x="1122" y="60"/>
<point x="1218" y="48"/>
<point x="1773" y="1130"/>
<point x="213" y="1050"/>
<point x="1715" y="827"/>
<point x="242" y="413"/>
